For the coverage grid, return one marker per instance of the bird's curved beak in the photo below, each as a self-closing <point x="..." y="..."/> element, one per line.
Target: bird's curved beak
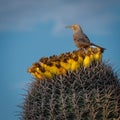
<point x="70" y="26"/>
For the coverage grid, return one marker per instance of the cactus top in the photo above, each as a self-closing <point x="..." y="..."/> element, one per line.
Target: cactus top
<point x="47" y="67"/>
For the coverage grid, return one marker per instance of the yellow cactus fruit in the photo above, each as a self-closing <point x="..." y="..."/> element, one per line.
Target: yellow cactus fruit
<point x="47" y="67"/>
<point x="74" y="64"/>
<point x="37" y="75"/>
<point x="47" y="74"/>
<point x="60" y="69"/>
<point x="86" y="61"/>
<point x="97" y="54"/>
<point x="64" y="63"/>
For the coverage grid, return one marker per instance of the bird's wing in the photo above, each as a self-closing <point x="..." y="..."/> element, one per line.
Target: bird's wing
<point x="80" y="40"/>
<point x="81" y="37"/>
<point x="86" y="39"/>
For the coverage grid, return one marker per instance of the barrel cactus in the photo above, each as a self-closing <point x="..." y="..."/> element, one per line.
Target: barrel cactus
<point x="89" y="92"/>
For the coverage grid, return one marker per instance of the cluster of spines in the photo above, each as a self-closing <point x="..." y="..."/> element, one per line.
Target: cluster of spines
<point x="47" y="67"/>
<point x="92" y="93"/>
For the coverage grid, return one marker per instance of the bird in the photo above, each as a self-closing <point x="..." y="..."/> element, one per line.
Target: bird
<point x="80" y="38"/>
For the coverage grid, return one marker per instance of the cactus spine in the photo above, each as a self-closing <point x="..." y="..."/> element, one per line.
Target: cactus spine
<point x="88" y="93"/>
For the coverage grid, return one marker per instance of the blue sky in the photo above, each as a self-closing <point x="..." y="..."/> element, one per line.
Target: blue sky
<point x="31" y="29"/>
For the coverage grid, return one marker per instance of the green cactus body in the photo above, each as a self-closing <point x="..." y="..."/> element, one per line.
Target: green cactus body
<point x="91" y="93"/>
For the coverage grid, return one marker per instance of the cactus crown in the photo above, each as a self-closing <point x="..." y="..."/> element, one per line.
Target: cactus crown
<point x="73" y="86"/>
<point x="91" y="93"/>
<point x="60" y="65"/>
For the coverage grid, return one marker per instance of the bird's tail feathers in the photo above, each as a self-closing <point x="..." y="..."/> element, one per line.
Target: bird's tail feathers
<point x="102" y="49"/>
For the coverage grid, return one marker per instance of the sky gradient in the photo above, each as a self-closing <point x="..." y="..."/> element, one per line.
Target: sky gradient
<point x="31" y="29"/>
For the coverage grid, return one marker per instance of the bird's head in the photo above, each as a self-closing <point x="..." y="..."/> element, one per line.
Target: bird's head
<point x="75" y="28"/>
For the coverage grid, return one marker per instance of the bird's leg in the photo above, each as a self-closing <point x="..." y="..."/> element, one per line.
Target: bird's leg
<point x="86" y="50"/>
<point x="81" y="48"/>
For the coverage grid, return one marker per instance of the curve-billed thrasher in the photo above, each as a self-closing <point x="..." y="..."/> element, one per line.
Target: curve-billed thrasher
<point x="80" y="39"/>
